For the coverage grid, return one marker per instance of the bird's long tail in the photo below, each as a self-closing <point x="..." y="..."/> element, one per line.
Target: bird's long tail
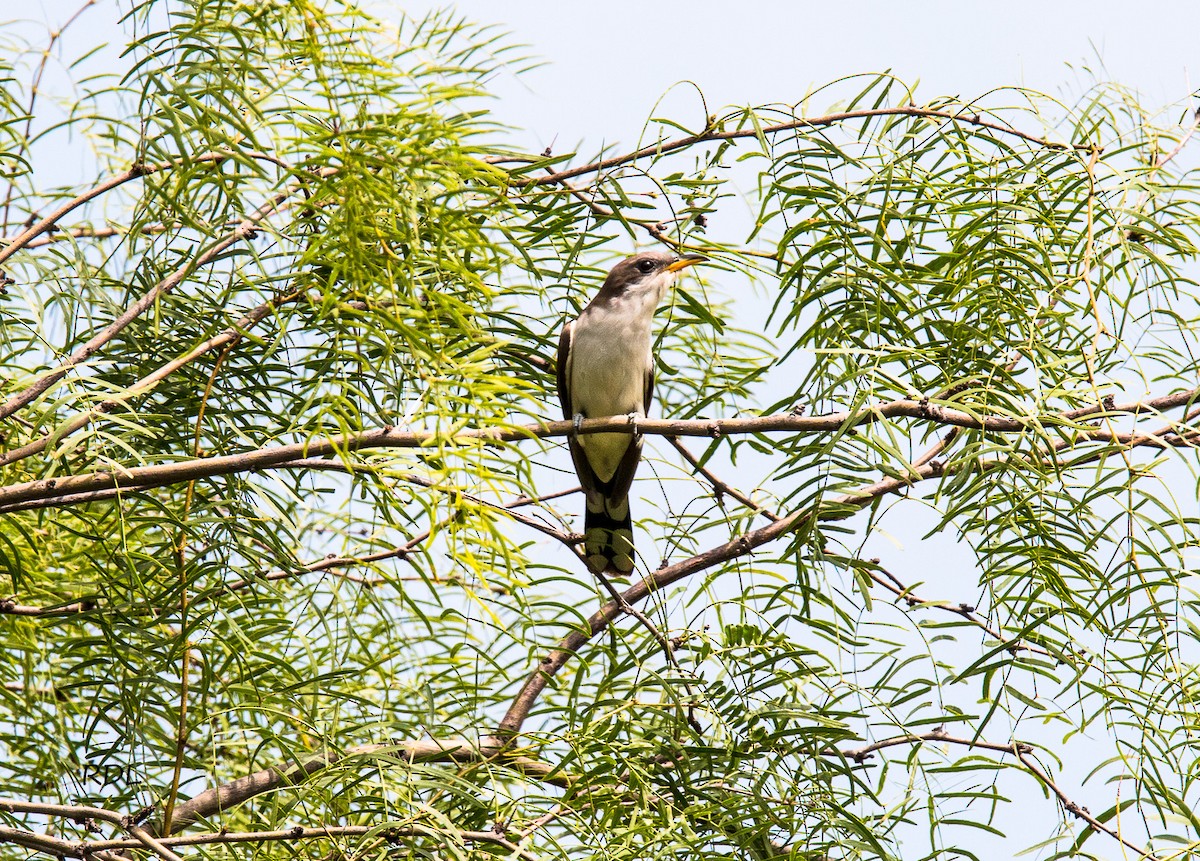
<point x="608" y="534"/>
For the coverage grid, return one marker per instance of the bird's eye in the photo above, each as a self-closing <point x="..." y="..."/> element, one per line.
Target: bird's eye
<point x="645" y="266"/>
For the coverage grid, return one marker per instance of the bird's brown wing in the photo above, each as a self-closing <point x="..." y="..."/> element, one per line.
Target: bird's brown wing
<point x="564" y="349"/>
<point x="587" y="478"/>
<point x="649" y="387"/>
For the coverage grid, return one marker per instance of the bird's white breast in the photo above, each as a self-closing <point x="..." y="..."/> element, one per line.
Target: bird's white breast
<point x="609" y="360"/>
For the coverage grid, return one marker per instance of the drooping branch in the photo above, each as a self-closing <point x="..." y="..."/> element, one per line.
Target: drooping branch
<point x="22" y="239"/>
<point x="244" y="230"/>
<point x="228" y="337"/>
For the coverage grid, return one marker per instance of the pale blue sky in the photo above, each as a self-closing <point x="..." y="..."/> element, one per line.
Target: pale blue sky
<point x="609" y="62"/>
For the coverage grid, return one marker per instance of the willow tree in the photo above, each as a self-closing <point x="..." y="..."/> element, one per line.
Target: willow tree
<point x="289" y="530"/>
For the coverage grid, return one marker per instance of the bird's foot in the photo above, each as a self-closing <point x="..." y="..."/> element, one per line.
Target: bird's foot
<point x="577" y="422"/>
<point x="633" y="422"/>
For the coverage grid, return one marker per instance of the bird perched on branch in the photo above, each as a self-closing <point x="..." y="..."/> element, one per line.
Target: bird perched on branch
<point x="606" y="368"/>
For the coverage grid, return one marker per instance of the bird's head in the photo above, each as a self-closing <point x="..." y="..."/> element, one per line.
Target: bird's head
<point x="645" y="276"/>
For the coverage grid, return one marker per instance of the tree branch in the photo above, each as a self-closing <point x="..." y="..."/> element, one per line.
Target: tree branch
<point x="715" y="133"/>
<point x="459" y="750"/>
<point x="82" y="814"/>
<point x="89" y="848"/>
<point x="22" y="239"/>
<point x="54" y="491"/>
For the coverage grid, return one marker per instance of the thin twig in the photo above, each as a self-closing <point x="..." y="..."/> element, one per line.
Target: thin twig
<point x="34" y="91"/>
<point x="721" y="488"/>
<point x="889" y="581"/>
<point x="862" y="754"/>
<point x="63" y="234"/>
<point x="1079" y="811"/>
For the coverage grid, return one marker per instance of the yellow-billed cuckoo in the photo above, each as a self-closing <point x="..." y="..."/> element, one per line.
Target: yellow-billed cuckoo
<point x="606" y="368"/>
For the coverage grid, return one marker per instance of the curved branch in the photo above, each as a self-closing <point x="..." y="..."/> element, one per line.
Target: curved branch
<point x="839" y="508"/>
<point x="876" y="572"/>
<point x="714" y="133"/>
<point x="742" y="545"/>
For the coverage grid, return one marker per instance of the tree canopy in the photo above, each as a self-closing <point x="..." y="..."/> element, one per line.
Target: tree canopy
<point x="289" y="528"/>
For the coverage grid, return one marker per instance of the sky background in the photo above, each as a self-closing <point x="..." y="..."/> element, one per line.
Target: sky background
<point x="608" y="64"/>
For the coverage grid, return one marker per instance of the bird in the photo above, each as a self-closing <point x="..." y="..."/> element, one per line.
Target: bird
<point x="606" y="368"/>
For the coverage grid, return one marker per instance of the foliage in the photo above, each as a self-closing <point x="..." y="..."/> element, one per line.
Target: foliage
<point x="287" y="537"/>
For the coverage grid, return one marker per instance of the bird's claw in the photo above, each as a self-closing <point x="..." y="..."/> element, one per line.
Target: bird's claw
<point x="577" y="422"/>
<point x="633" y="422"/>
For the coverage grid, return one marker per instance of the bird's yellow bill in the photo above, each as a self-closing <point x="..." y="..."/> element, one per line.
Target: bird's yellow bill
<point x="685" y="261"/>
